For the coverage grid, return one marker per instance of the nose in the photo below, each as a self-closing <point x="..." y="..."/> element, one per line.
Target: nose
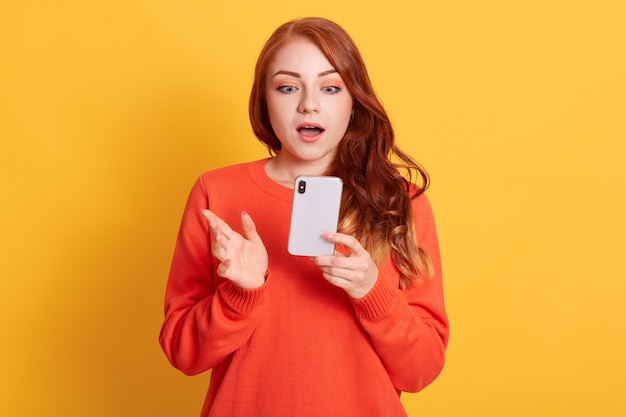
<point x="308" y="103"/>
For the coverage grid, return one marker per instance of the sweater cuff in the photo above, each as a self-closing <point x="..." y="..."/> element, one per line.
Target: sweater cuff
<point x="242" y="300"/>
<point x="377" y="302"/>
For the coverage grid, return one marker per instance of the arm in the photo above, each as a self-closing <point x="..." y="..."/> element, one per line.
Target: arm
<point x="206" y="317"/>
<point x="409" y="328"/>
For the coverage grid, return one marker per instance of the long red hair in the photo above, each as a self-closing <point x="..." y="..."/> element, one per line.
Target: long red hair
<point x="376" y="202"/>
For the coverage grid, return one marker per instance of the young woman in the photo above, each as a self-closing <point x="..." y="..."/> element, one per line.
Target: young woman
<point x="338" y="335"/>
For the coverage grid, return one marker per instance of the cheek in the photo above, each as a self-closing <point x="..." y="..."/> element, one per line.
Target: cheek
<point x="345" y="112"/>
<point x="278" y="120"/>
<point x="277" y="107"/>
<point x="347" y="108"/>
<point x="272" y="110"/>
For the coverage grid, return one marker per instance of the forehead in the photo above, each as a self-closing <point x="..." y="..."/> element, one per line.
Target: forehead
<point x="300" y="55"/>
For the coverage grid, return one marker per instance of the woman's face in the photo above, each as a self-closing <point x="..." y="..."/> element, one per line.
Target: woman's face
<point x="308" y="103"/>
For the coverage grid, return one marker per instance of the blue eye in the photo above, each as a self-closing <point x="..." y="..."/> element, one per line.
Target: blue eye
<point x="331" y="89"/>
<point x="287" y="89"/>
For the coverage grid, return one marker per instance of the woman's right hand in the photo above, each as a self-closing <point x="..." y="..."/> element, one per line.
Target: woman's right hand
<point x="243" y="259"/>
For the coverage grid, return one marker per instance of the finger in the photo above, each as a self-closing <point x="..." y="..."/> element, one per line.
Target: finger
<point x="222" y="268"/>
<point x="347" y="271"/>
<point x="349" y="242"/>
<point x="327" y="262"/>
<point x="219" y="249"/>
<point x="332" y="269"/>
<point x="216" y="224"/>
<point x="209" y="215"/>
<point x="337" y="280"/>
<point x="248" y="227"/>
<point x="344" y="262"/>
<point x="211" y="219"/>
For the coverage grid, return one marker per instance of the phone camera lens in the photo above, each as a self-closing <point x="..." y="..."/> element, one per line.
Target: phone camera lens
<point x="301" y="187"/>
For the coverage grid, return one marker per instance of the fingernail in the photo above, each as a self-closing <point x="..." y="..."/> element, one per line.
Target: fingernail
<point x="244" y="212"/>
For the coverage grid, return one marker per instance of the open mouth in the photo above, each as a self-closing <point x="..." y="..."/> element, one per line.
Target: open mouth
<point x="310" y="130"/>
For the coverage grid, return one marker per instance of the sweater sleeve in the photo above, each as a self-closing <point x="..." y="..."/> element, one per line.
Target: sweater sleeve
<point x="409" y="328"/>
<point x="206" y="317"/>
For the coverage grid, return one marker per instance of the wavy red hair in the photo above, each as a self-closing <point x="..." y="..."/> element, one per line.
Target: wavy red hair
<point x="376" y="203"/>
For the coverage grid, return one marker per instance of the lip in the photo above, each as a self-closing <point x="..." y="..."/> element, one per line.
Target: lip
<point x="308" y="138"/>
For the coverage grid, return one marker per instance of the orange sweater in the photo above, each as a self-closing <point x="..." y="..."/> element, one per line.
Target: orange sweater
<point x="297" y="346"/>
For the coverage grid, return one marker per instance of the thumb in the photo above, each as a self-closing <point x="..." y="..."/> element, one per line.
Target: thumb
<point x="249" y="228"/>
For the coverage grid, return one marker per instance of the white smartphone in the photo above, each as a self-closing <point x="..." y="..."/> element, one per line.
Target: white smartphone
<point x="315" y="211"/>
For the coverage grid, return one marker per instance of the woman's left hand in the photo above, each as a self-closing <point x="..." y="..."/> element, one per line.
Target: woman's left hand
<point x="355" y="272"/>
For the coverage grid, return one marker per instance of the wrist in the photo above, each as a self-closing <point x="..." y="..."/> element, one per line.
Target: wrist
<point x="255" y="282"/>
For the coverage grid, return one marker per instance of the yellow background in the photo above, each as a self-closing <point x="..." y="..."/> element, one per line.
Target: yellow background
<point x="110" y="110"/>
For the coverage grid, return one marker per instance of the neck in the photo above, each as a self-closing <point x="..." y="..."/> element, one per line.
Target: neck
<point x="284" y="172"/>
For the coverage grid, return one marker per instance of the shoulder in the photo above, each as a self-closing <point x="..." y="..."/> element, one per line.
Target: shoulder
<point x="420" y="205"/>
<point x="230" y="170"/>
<point x="417" y="195"/>
<point x="231" y="173"/>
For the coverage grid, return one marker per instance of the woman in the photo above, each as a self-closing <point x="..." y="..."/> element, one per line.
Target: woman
<point x="338" y="335"/>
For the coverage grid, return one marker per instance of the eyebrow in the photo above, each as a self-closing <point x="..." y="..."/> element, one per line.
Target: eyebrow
<point x="298" y="75"/>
